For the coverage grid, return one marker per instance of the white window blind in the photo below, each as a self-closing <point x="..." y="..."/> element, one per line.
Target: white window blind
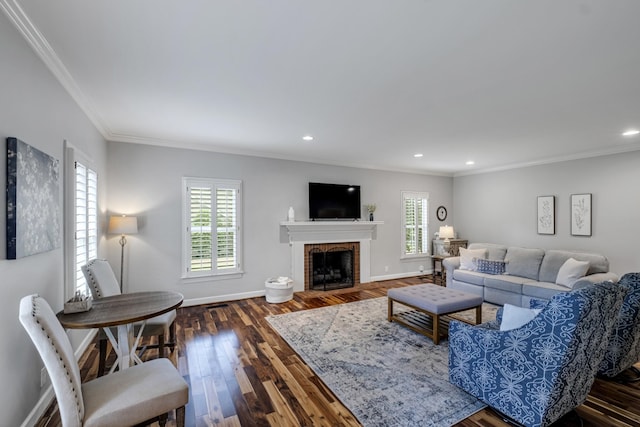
<point x="415" y="230"/>
<point x="86" y="222"/>
<point x="212" y="239"/>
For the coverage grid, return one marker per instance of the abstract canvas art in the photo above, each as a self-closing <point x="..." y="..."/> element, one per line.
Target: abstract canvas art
<point x="33" y="200"/>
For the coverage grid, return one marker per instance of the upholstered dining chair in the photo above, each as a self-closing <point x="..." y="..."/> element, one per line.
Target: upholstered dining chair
<point x="142" y="393"/>
<point x="103" y="283"/>
<point x="540" y="371"/>
<point x="623" y="350"/>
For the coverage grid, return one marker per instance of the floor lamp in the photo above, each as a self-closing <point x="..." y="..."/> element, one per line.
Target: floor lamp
<point x="122" y="225"/>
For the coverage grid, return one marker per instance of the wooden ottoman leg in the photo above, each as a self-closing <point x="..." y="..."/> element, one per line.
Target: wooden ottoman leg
<point x="436" y="329"/>
<point x="389" y="309"/>
<point x="478" y="315"/>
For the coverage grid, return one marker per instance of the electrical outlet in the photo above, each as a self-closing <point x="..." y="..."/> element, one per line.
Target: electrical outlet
<point x="421" y="268"/>
<point x="44" y="377"/>
<point x="386" y="268"/>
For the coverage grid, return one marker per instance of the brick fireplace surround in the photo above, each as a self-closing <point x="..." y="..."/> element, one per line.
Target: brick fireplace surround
<point x="310" y="247"/>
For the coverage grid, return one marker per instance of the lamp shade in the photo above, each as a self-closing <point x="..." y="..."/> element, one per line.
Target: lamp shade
<point x="446" y="232"/>
<point x="123" y="224"/>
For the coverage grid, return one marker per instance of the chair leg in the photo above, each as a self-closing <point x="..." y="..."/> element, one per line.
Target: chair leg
<point x="162" y="420"/>
<point x="630" y="375"/>
<point x="172" y="334"/>
<point x="161" y="345"/>
<point x="180" y="416"/>
<point x="102" y="356"/>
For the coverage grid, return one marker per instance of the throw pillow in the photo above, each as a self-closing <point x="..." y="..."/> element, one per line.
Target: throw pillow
<point x="571" y="271"/>
<point x="490" y="266"/>
<point x="513" y="316"/>
<point x="467" y="256"/>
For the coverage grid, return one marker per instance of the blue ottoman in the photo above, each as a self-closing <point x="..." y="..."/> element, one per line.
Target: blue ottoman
<point x="433" y="301"/>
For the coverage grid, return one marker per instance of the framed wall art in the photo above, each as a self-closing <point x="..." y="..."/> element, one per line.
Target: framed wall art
<point x="581" y="214"/>
<point x="33" y="200"/>
<point x="546" y="215"/>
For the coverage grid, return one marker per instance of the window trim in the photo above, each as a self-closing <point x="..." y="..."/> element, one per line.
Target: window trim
<point x="212" y="274"/>
<point x="73" y="155"/>
<point x="423" y="195"/>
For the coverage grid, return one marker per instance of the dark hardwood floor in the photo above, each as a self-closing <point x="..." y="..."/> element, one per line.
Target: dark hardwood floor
<point x="241" y="373"/>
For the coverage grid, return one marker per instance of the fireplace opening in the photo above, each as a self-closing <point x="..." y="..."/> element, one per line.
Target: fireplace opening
<point x="332" y="268"/>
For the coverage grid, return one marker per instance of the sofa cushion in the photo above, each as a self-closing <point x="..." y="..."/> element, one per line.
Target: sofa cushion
<point x="505" y="282"/>
<point x="543" y="290"/>
<point x="524" y="262"/>
<point x="467" y="257"/>
<point x="554" y="259"/>
<point x="467" y="276"/>
<point x="493" y="251"/>
<point x="571" y="271"/>
<point x="490" y="266"/>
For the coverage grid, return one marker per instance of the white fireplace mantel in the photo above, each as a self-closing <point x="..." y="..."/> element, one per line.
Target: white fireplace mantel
<point x="299" y="233"/>
<point x="329" y="231"/>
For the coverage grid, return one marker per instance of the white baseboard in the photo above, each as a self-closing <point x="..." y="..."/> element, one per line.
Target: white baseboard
<point x="400" y="275"/>
<point x="223" y="298"/>
<point x="47" y="396"/>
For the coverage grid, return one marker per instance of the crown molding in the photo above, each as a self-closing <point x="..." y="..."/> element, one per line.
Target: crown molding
<point x="45" y="52"/>
<point x="199" y="146"/>
<point x="568" y="158"/>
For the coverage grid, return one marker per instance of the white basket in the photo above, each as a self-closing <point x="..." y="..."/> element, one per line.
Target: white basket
<point x="278" y="289"/>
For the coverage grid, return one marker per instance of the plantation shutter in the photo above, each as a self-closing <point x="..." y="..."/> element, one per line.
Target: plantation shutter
<point x="415" y="224"/>
<point x="212" y="212"/>
<point x="201" y="238"/>
<point x="226" y="227"/>
<point x="86" y="222"/>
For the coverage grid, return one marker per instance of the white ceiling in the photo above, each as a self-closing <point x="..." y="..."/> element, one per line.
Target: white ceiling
<point x="504" y="83"/>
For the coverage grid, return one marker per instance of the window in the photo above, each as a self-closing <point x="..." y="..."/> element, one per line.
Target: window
<point x="82" y="241"/>
<point x="415" y="231"/>
<point x="212" y="229"/>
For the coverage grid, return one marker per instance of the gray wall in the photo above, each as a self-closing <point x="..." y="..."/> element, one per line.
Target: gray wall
<point x="36" y="109"/>
<point x="146" y="181"/>
<point x="500" y="207"/>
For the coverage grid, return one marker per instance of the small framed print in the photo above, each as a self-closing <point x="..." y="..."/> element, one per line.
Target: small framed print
<point x="581" y="214"/>
<point x="546" y="215"/>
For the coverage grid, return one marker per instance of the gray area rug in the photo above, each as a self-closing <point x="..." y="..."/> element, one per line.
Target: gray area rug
<point x="386" y="374"/>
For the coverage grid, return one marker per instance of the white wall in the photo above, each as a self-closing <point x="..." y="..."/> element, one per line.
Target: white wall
<point x="500" y="207"/>
<point x="37" y="110"/>
<point x="146" y="181"/>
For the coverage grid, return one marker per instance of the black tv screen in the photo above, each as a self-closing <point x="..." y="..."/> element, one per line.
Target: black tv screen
<point x="334" y="201"/>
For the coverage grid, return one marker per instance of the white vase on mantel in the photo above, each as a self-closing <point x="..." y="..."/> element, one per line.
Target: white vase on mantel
<point x="291" y="214"/>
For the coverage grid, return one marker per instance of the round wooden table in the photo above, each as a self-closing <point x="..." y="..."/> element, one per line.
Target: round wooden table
<point x="122" y="311"/>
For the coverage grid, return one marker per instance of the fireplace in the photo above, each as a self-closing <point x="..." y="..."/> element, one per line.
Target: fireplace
<point x="331" y="265"/>
<point x="302" y="235"/>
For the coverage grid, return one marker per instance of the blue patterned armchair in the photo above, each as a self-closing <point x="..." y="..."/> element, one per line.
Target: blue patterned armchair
<point x="624" y="344"/>
<point x="542" y="370"/>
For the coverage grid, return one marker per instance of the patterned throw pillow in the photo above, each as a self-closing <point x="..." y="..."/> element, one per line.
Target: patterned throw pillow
<point x="490" y="266"/>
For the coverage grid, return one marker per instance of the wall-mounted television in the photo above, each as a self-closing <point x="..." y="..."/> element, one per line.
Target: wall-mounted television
<point x="334" y="201"/>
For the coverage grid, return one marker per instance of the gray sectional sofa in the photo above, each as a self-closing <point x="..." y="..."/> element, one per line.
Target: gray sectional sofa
<point x="530" y="273"/>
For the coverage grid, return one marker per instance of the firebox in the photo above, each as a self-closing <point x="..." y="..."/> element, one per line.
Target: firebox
<point x="331" y="266"/>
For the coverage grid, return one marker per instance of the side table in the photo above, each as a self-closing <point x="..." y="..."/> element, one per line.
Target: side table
<point x="439" y="273"/>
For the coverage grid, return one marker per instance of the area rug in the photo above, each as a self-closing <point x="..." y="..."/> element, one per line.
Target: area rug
<point x="386" y="374"/>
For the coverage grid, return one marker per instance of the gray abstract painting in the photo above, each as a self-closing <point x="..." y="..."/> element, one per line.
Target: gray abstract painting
<point x="33" y="200"/>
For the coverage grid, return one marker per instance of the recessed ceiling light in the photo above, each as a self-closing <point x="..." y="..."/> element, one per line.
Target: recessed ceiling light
<point x="470" y="162"/>
<point x="307" y="138"/>
<point x="418" y="155"/>
<point x="631" y="132"/>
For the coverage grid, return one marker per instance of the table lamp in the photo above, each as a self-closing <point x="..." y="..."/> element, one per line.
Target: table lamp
<point x="122" y="225"/>
<point x="446" y="232"/>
